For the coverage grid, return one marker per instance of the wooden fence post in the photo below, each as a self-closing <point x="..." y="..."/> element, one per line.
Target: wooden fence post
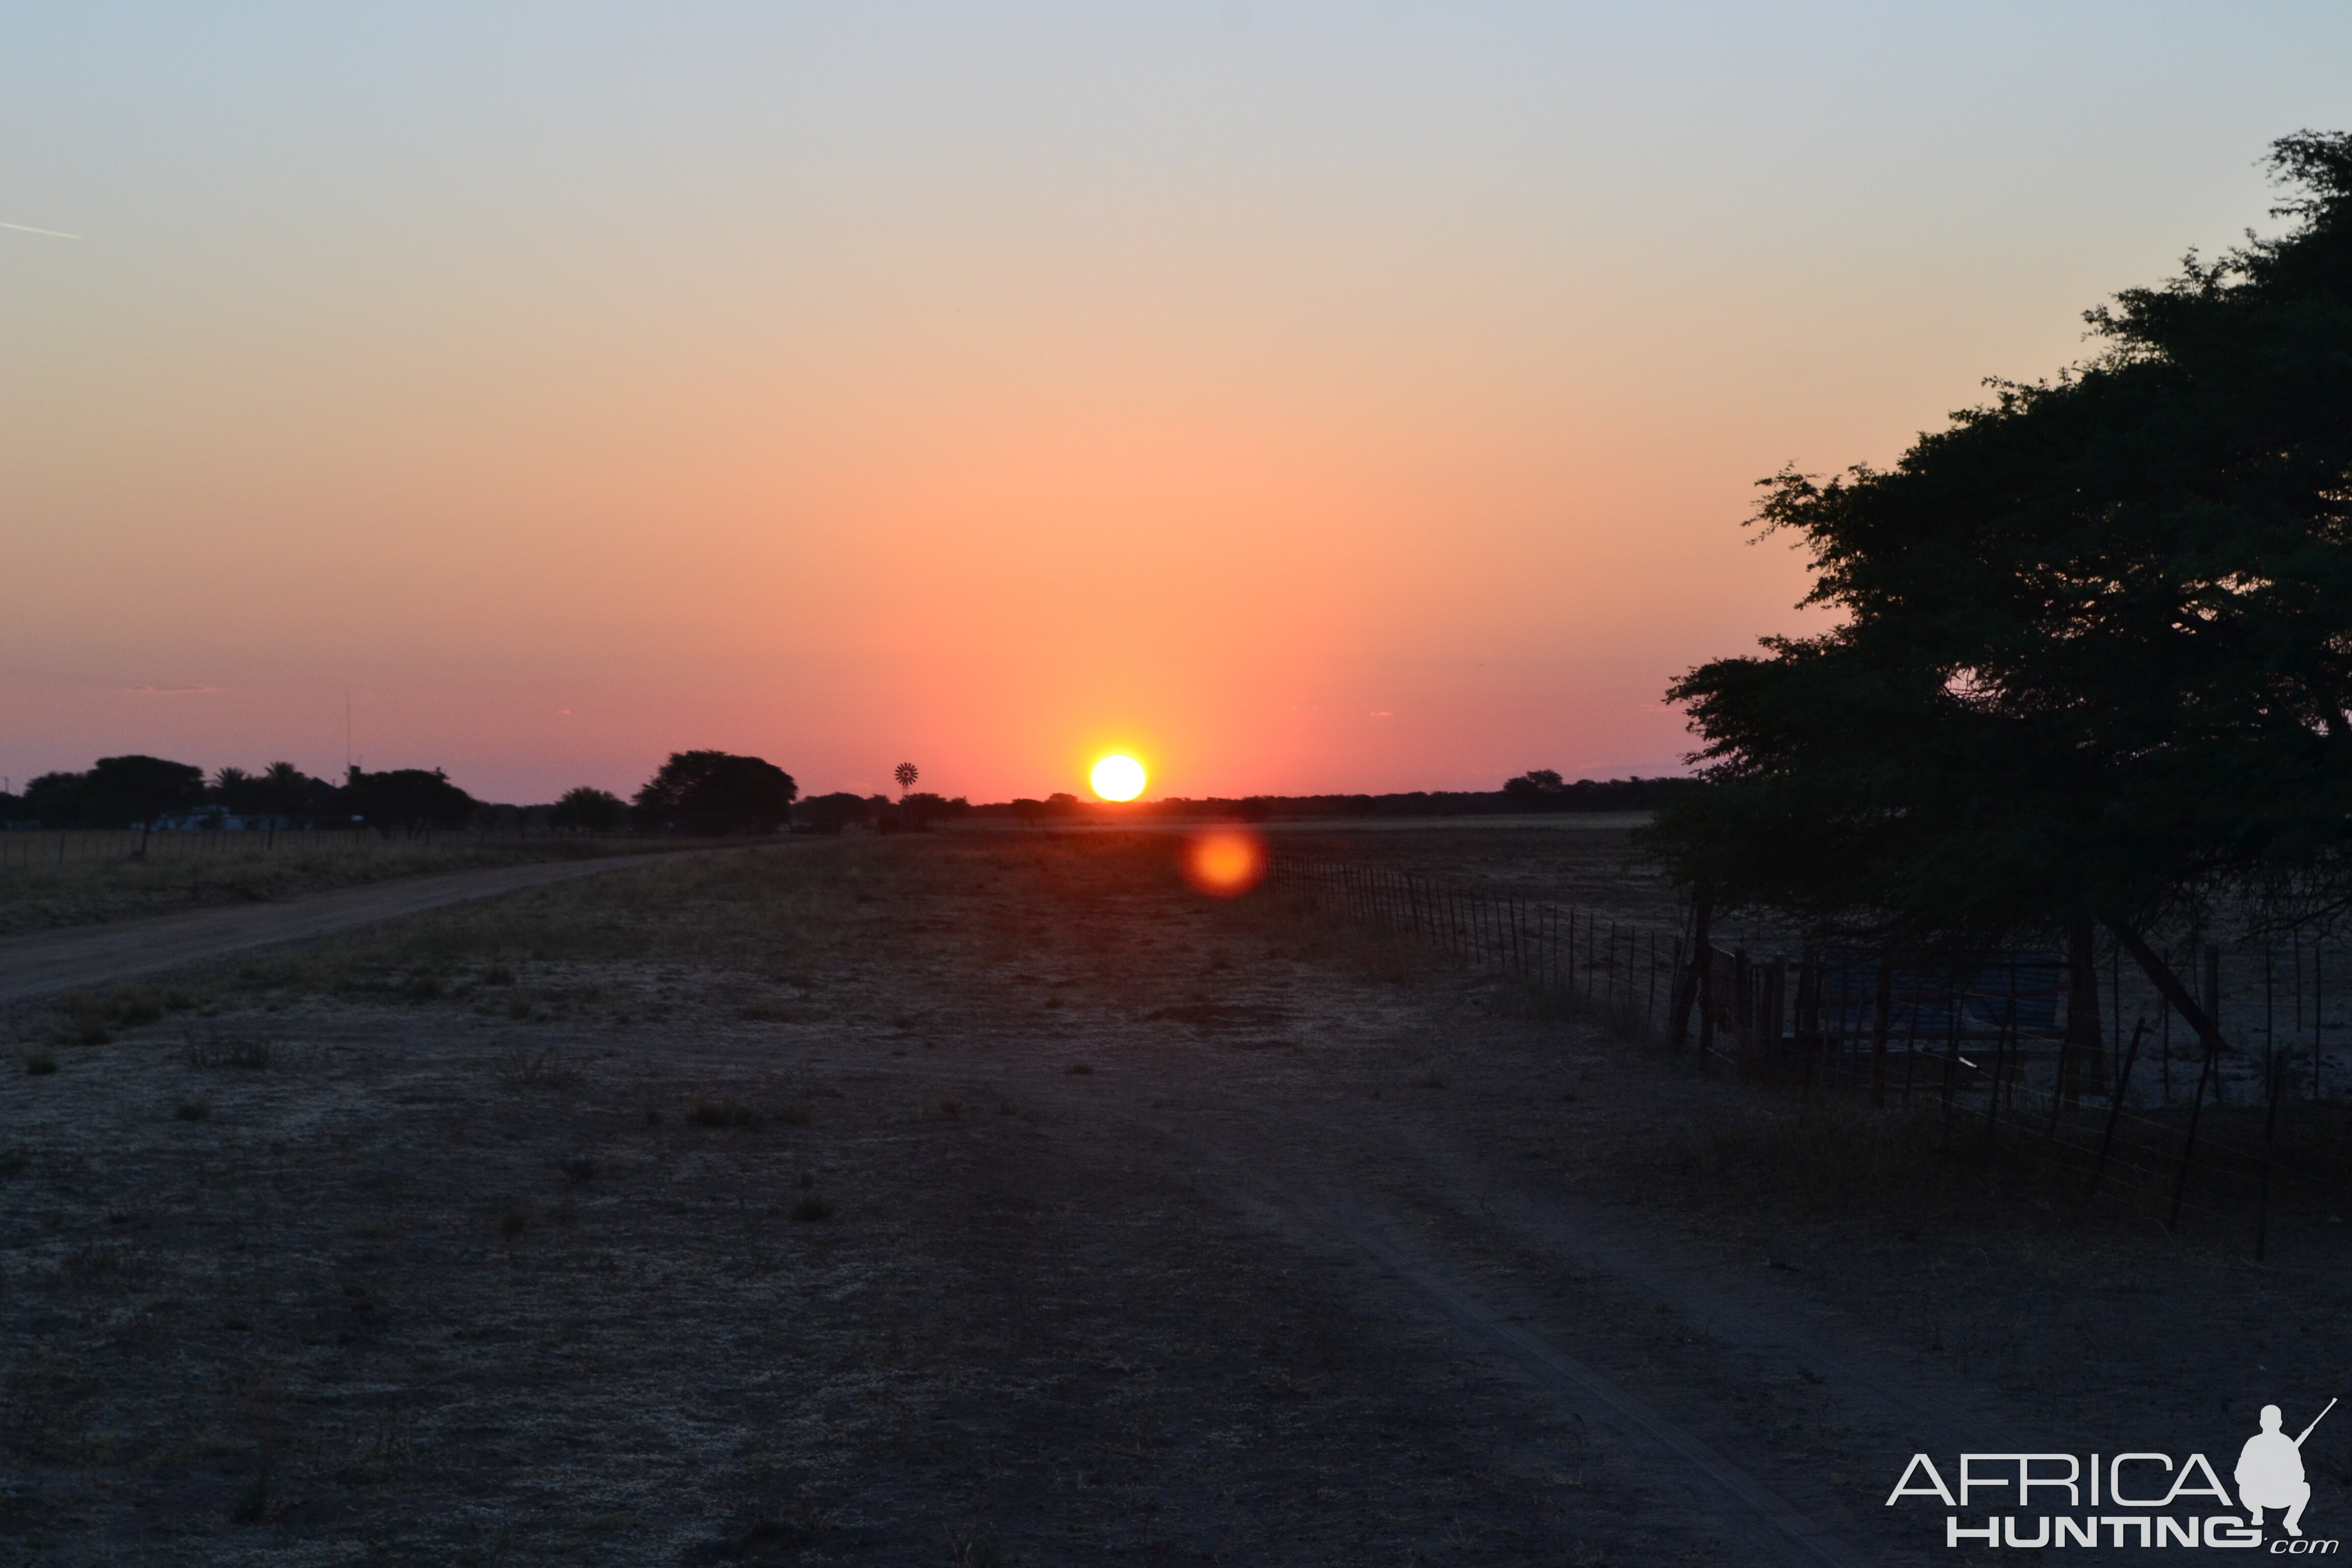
<point x="1692" y="978"/>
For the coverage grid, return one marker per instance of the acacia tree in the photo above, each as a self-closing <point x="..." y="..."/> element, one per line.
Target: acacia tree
<point x="136" y="790"/>
<point x="407" y="799"/>
<point x="717" y="792"/>
<point x="2095" y="658"/>
<point x="590" y="810"/>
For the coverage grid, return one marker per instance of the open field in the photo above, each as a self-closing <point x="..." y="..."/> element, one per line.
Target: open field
<point x="50" y="880"/>
<point x="997" y="1200"/>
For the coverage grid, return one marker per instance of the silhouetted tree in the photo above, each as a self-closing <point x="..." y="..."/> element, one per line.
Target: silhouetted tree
<point x="714" y="793"/>
<point x="1028" y="810"/>
<point x="405" y="799"/>
<point x="829" y="814"/>
<point x="286" y="791"/>
<point x="59" y="799"/>
<point x="1534" y="782"/>
<point x="133" y="791"/>
<point x="589" y="810"/>
<point x="2095" y="655"/>
<point x="232" y="789"/>
<point x="920" y="810"/>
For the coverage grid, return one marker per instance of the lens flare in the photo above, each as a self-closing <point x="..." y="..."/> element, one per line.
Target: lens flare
<point x="1118" y="778"/>
<point x="1224" y="863"/>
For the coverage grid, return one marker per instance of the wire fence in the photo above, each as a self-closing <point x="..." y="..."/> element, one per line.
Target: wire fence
<point x="2123" y="1102"/>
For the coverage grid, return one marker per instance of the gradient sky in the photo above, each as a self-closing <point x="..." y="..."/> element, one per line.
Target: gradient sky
<point x="1303" y="396"/>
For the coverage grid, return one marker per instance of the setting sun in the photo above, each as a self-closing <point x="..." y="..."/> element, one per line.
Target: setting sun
<point x="1118" y="778"/>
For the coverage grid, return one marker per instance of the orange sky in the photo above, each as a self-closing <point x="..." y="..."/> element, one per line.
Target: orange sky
<point x="1303" y="398"/>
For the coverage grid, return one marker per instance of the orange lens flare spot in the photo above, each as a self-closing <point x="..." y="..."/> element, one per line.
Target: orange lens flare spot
<point x="1118" y="778"/>
<point x="1223" y="864"/>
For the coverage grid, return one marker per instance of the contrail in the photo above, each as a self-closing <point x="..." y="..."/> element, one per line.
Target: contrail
<point x="28" y="228"/>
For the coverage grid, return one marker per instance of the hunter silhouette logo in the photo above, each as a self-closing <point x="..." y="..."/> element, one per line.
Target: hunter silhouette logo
<point x="2270" y="1471"/>
<point x="2151" y="1495"/>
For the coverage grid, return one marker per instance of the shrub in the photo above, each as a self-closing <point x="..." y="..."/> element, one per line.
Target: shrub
<point x="197" y="1110"/>
<point x="813" y="1209"/>
<point x="40" y="1063"/>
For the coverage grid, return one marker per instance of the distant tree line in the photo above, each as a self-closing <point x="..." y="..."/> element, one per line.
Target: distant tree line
<point x="698" y="793"/>
<point x="703" y="793"/>
<point x="155" y="792"/>
<point x="1539" y="789"/>
<point x="914" y="812"/>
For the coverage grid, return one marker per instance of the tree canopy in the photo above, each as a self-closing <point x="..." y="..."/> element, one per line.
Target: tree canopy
<point x="716" y="793"/>
<point x="406" y="799"/>
<point x="2096" y="644"/>
<point x="589" y="809"/>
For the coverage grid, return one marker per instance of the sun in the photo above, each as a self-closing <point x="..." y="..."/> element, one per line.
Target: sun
<point x="1118" y="778"/>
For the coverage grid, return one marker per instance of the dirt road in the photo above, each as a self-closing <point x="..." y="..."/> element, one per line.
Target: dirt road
<point x="78" y="958"/>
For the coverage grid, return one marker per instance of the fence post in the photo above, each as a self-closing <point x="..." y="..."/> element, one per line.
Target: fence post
<point x="2115" y="1110"/>
<point x="1693" y="981"/>
<point x="2196" y="1110"/>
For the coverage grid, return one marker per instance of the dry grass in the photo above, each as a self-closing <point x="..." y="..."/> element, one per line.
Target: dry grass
<point x="39" y="892"/>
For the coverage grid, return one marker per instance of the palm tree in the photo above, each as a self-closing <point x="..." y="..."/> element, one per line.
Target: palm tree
<point x="284" y="790"/>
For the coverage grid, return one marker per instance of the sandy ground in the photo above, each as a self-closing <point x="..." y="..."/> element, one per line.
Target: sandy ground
<point x="981" y="1201"/>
